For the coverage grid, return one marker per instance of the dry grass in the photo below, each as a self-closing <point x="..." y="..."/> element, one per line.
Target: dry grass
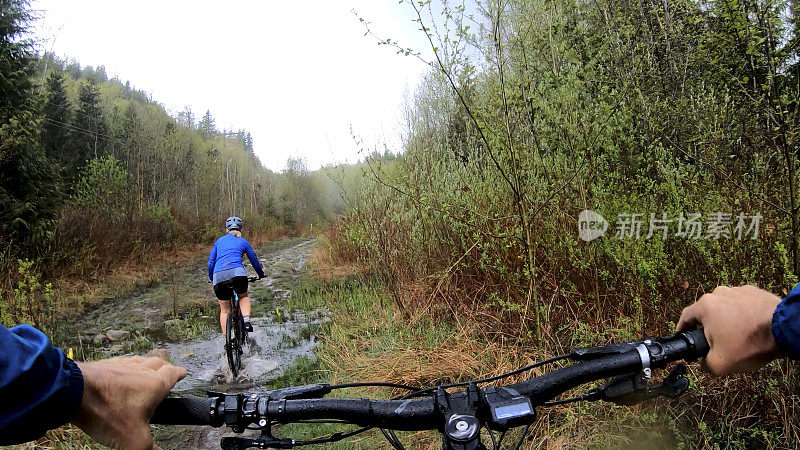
<point x="323" y="266"/>
<point x="67" y="437"/>
<point x="80" y="293"/>
<point x="424" y="332"/>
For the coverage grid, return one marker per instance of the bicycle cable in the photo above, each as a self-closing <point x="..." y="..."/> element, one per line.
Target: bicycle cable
<point x="577" y="398"/>
<point x="390" y="436"/>
<point x="500" y="440"/>
<point x="335" y="437"/>
<point x="522" y="438"/>
<point x="485" y="380"/>
<point x="494" y="441"/>
<point x="391" y="385"/>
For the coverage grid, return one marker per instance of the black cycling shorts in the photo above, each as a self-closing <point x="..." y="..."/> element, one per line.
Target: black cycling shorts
<point x="224" y="289"/>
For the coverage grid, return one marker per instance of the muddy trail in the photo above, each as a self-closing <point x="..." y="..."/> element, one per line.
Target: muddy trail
<point x="176" y="319"/>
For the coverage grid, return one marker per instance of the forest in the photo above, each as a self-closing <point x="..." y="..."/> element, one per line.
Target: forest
<point x="97" y="174"/>
<point x="531" y="112"/>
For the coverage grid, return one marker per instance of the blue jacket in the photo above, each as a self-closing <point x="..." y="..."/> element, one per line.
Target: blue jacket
<point x="786" y="324"/>
<point x="40" y="388"/>
<point x="227" y="254"/>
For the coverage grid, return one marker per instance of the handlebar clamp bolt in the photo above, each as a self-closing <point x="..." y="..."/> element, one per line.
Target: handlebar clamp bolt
<point x="262" y="422"/>
<point x="462" y="428"/>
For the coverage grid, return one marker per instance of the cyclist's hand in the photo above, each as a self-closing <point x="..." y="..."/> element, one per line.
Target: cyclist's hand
<point x="738" y="325"/>
<point x="120" y="395"/>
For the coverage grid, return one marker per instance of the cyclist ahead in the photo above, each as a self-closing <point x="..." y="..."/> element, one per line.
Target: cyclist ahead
<point x="227" y="273"/>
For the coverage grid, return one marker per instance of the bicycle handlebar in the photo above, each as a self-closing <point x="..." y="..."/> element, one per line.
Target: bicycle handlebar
<point x="617" y="360"/>
<point x="631" y="364"/>
<point x="184" y="411"/>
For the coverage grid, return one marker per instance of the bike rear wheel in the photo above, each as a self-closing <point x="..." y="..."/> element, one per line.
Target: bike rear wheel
<point x="233" y="344"/>
<point x="241" y="334"/>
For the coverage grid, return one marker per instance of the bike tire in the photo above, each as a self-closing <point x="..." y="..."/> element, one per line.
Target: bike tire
<point x="232" y="345"/>
<point x="243" y="335"/>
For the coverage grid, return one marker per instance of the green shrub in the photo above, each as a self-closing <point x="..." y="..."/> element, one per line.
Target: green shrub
<point x="31" y="302"/>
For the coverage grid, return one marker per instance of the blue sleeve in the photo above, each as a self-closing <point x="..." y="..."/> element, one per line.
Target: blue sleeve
<point x="786" y="324"/>
<point x="212" y="259"/>
<point x="251" y="255"/>
<point x="41" y="389"/>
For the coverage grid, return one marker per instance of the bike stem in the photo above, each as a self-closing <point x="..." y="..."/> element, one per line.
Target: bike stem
<point x="461" y="429"/>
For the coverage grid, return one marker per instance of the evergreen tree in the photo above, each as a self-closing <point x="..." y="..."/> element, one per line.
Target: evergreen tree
<point x="206" y="126"/>
<point x="129" y="143"/>
<point x="90" y="136"/>
<point x="28" y="188"/>
<point x="74" y="69"/>
<point x="100" y="74"/>
<point x="57" y="116"/>
<point x="248" y="142"/>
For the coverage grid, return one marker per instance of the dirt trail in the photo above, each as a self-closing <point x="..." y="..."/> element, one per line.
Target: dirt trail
<point x="276" y="341"/>
<point x="178" y="318"/>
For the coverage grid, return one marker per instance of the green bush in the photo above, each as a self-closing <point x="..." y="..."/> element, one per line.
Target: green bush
<point x="102" y="186"/>
<point x="31" y="302"/>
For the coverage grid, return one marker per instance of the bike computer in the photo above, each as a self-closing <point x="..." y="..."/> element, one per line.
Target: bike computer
<point x="508" y="408"/>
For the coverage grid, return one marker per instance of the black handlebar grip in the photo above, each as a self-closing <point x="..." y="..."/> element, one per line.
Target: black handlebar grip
<point x="184" y="411"/>
<point x="698" y="342"/>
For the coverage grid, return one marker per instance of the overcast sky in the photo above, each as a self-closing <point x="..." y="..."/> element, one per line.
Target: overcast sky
<point x="296" y="74"/>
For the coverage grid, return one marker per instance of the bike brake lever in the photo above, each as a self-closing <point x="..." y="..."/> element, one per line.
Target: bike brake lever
<point x="587" y="353"/>
<point x="632" y="389"/>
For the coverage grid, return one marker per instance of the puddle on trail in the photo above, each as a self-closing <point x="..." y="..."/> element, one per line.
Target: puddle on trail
<point x="276" y="342"/>
<point x="273" y="347"/>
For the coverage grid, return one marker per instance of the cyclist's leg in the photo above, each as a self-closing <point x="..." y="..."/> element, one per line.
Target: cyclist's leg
<point x="224" y="293"/>
<point x="244" y="304"/>
<point x="224" y="310"/>
<point x="240" y="286"/>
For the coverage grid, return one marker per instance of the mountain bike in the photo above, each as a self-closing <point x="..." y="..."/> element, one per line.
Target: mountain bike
<point x="235" y="334"/>
<point x="460" y="416"/>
